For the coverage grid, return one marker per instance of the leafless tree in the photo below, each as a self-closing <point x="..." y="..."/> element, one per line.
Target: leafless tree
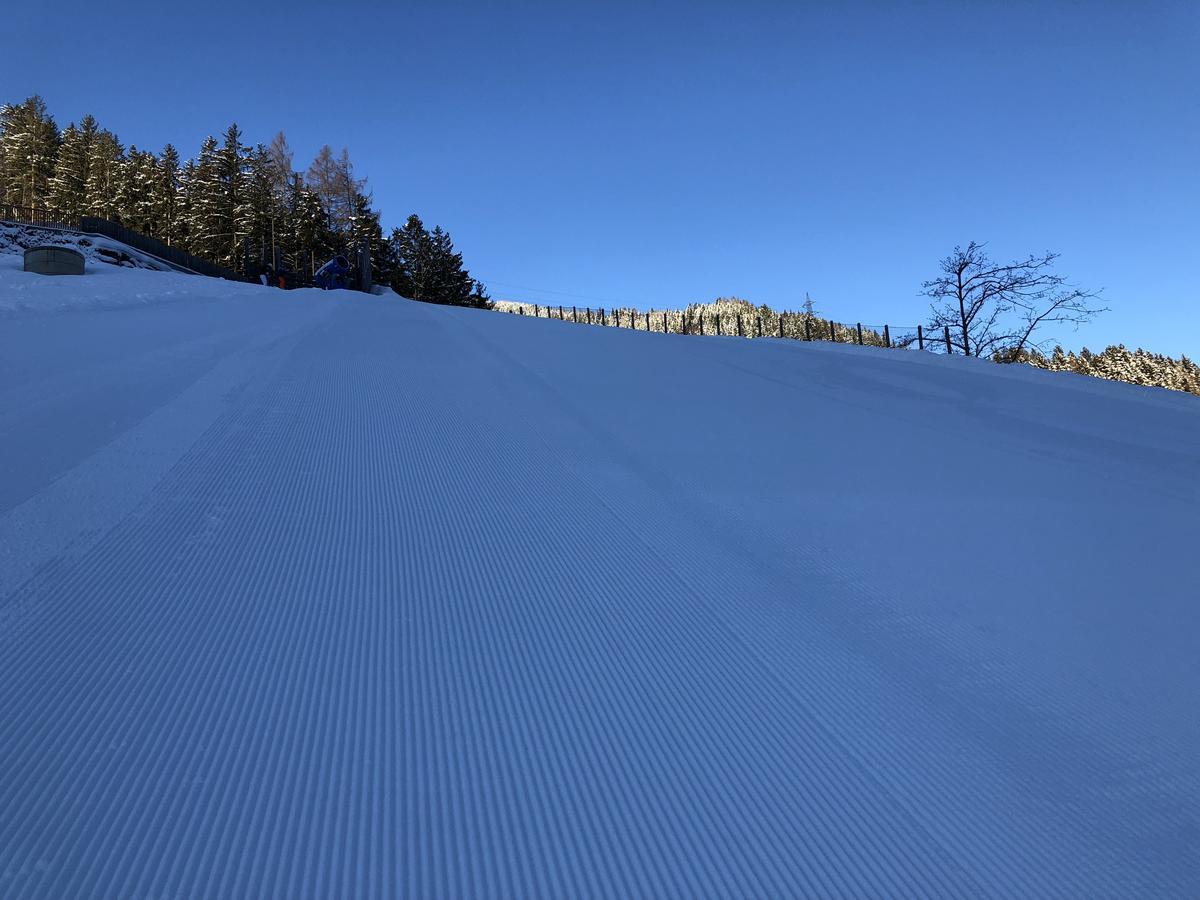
<point x="997" y="310"/>
<point x="333" y="180"/>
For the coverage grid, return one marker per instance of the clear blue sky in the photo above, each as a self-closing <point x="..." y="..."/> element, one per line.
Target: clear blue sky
<point x="666" y="153"/>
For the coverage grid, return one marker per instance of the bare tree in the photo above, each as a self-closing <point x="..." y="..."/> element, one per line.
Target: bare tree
<point x="996" y="310"/>
<point x="333" y="180"/>
<point x="281" y="162"/>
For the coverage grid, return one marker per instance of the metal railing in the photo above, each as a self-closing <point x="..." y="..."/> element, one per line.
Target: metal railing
<point x="156" y="248"/>
<point x="39" y="218"/>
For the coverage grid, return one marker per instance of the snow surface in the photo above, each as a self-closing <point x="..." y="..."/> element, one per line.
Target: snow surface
<point x="96" y="248"/>
<point x="104" y="286"/>
<point x="327" y="595"/>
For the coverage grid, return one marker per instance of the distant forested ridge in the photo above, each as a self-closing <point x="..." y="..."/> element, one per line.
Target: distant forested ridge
<point x="235" y="204"/>
<point x="1117" y="363"/>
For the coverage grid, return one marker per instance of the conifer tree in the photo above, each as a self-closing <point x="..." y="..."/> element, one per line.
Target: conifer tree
<point x="128" y="200"/>
<point x="412" y="250"/>
<point x="104" y="165"/>
<point x="259" y="207"/>
<point x="28" y="150"/>
<point x="229" y="197"/>
<point x="428" y="268"/>
<point x="365" y="226"/>
<point x="164" y="196"/>
<point x="68" y="186"/>
<point x="185" y="208"/>
<point x="206" y="204"/>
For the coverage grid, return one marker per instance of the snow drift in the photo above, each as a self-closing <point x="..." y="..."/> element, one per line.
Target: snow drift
<point x="14" y="238"/>
<point x="337" y="595"/>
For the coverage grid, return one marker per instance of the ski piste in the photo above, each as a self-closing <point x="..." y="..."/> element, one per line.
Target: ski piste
<point x="325" y="594"/>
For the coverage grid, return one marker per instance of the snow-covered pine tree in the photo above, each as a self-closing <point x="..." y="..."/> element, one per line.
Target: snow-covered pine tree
<point x="164" y="196"/>
<point x="129" y="201"/>
<point x="206" y="226"/>
<point x="185" y="208"/>
<point x="104" y="164"/>
<point x="68" y="185"/>
<point x="230" y="162"/>
<point x="28" y="149"/>
<point x="258" y="211"/>
<point x="364" y="225"/>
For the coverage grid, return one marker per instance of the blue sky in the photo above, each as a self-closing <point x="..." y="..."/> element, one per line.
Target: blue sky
<point x="659" y="154"/>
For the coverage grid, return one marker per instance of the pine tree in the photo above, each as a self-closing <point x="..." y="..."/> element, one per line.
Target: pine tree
<point x="128" y="201"/>
<point x="164" y="196"/>
<point x="412" y="250"/>
<point x="230" y="161"/>
<point x="28" y="150"/>
<point x="365" y="226"/>
<point x="104" y="166"/>
<point x="428" y="268"/>
<point x="68" y="186"/>
<point x="259" y="209"/>
<point x="206" y="204"/>
<point x="185" y="208"/>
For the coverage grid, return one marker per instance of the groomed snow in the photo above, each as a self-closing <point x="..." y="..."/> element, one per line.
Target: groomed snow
<point x="326" y="595"/>
<point x="103" y="286"/>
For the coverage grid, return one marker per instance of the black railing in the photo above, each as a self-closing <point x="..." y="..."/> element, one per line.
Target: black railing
<point x="41" y="218"/>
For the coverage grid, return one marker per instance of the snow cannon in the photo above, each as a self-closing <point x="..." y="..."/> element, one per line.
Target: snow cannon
<point x="333" y="275"/>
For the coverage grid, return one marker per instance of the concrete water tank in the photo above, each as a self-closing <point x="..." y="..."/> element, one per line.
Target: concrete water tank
<point x="53" y="261"/>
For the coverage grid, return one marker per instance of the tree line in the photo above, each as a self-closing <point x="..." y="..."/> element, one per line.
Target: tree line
<point x="238" y="205"/>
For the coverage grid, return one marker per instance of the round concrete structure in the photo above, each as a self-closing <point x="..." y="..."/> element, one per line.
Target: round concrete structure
<point x="54" y="261"/>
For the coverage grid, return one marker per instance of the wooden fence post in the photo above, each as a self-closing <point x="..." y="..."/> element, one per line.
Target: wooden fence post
<point x="617" y="313"/>
<point x="521" y="310"/>
<point x="760" y="333"/>
<point x="718" y="323"/>
<point x="920" y="338"/>
<point x="781" y="324"/>
<point x="647" y="321"/>
<point x="859" y="325"/>
<point x="949" y="350"/>
<point x="832" y="331"/>
<point x="702" y="323"/>
<point x="887" y="337"/>
<point x="739" y="325"/>
<point x="808" y="328"/>
<point x="575" y="314"/>
<point x="560" y="314"/>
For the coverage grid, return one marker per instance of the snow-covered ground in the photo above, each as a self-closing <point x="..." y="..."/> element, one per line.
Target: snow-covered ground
<point x="331" y="595"/>
<point x="103" y="286"/>
<point x="96" y="249"/>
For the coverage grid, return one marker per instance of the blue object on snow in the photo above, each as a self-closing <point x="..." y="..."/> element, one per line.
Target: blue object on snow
<point x="333" y="275"/>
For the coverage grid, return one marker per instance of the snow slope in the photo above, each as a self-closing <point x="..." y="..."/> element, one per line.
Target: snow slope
<point x="104" y="286"/>
<point x="97" y="249"/>
<point x="336" y="595"/>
